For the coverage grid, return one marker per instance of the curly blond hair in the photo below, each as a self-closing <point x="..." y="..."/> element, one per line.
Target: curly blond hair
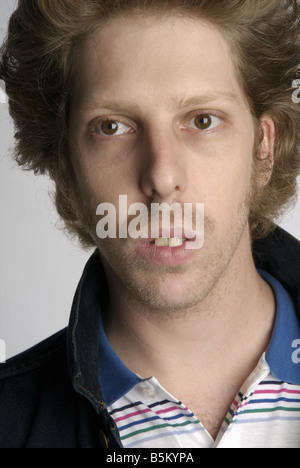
<point x="39" y="56"/>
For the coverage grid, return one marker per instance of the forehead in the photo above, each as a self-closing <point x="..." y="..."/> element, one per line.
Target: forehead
<point x="164" y="61"/>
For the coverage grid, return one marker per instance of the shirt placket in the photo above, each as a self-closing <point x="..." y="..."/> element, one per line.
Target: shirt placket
<point x="228" y="429"/>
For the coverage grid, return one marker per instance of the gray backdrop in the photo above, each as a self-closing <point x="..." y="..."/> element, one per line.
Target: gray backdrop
<point x="40" y="267"/>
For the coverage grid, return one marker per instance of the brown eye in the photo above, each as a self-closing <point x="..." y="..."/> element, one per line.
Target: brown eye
<point x="203" y="122"/>
<point x="111" y="128"/>
<point x="108" y="127"/>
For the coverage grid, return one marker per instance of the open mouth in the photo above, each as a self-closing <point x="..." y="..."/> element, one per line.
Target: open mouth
<point x="168" y="242"/>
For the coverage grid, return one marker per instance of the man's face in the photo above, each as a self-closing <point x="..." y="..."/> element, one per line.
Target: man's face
<point x="158" y="115"/>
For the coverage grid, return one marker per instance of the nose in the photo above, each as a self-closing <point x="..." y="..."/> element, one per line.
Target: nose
<point x="163" y="172"/>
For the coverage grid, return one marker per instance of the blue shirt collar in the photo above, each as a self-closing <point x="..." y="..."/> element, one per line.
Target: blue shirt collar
<point x="282" y="356"/>
<point x="116" y="379"/>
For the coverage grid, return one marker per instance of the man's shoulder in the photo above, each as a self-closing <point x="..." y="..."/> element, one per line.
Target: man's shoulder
<point x="44" y="354"/>
<point x="34" y="385"/>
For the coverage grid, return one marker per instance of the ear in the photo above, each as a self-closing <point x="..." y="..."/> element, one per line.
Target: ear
<point x="266" y="151"/>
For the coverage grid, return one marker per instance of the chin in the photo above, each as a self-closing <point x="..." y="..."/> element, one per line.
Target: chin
<point x="167" y="292"/>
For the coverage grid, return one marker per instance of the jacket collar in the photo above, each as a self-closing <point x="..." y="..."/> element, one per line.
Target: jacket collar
<point x="83" y="332"/>
<point x="278" y="254"/>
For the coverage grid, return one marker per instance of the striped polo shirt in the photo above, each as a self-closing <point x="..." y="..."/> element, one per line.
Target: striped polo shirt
<point x="264" y="414"/>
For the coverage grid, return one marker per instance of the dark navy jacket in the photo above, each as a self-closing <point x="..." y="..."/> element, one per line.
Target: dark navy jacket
<point x="50" y="395"/>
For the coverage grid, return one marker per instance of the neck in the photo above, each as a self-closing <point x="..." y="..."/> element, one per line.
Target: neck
<point x="237" y="316"/>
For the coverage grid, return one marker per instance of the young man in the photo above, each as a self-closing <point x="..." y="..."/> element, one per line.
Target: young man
<point x="181" y="102"/>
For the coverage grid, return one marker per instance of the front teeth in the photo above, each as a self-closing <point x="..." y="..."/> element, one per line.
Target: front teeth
<point x="169" y="242"/>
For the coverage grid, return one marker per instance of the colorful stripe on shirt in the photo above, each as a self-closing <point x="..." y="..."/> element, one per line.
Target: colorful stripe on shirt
<point x="144" y="423"/>
<point x="169" y="423"/>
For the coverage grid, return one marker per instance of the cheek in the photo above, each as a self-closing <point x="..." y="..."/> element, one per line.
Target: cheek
<point x="92" y="175"/>
<point x="227" y="184"/>
<point x="103" y="183"/>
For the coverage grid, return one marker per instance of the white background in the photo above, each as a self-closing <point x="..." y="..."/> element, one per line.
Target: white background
<point x="39" y="267"/>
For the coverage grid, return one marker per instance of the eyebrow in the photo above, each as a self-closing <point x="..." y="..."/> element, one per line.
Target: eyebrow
<point x="183" y="103"/>
<point x="176" y="103"/>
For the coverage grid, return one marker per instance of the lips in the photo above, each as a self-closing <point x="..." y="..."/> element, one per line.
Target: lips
<point x="166" y="252"/>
